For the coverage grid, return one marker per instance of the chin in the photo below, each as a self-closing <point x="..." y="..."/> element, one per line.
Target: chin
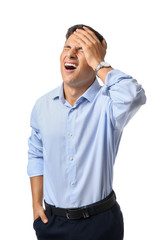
<point x="69" y="77"/>
<point x="68" y="81"/>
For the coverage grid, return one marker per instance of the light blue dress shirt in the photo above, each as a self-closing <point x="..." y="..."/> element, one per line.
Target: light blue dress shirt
<point x="75" y="147"/>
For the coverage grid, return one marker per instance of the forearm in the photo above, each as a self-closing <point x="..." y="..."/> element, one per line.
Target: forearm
<point x="37" y="198"/>
<point x="37" y="190"/>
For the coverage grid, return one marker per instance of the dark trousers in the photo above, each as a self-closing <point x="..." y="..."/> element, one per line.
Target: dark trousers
<point x="104" y="226"/>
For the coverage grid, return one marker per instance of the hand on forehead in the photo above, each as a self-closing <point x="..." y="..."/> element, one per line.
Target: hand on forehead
<point x="93" y="49"/>
<point x="85" y="36"/>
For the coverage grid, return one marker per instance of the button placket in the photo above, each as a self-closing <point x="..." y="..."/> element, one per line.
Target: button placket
<point x="71" y="166"/>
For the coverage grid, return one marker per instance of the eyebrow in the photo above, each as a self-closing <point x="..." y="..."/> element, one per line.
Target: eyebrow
<point x="68" y="46"/>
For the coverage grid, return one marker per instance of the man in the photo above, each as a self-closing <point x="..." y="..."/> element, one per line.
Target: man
<point x="76" y="131"/>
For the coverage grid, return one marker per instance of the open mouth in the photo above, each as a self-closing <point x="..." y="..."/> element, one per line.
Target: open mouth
<point x="70" y="67"/>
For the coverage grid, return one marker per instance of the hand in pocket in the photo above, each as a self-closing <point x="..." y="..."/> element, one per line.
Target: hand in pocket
<point x="38" y="212"/>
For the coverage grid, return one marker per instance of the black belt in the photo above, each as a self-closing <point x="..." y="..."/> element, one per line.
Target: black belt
<point x="86" y="211"/>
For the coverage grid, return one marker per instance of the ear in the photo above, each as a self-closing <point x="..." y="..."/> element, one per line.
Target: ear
<point x="104" y="44"/>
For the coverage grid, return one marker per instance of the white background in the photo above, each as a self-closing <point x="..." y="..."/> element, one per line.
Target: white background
<point x="32" y="36"/>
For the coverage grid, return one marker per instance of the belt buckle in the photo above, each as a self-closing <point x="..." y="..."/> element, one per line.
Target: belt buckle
<point x="68" y="215"/>
<point x="85" y="212"/>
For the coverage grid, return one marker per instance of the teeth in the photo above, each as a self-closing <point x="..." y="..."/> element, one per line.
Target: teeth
<point x="70" y="64"/>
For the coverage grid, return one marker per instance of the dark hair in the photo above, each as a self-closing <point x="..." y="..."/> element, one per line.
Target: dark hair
<point x="72" y="29"/>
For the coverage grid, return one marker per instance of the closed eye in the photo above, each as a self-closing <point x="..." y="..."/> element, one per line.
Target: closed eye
<point x="67" y="47"/>
<point x="80" y="49"/>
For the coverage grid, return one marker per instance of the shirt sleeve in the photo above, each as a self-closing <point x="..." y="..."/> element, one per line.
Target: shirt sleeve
<point x="125" y="95"/>
<point x="35" y="151"/>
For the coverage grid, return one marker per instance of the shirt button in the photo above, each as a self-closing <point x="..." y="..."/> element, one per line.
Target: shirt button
<point x="72" y="183"/>
<point x="70" y="134"/>
<point x="71" y="158"/>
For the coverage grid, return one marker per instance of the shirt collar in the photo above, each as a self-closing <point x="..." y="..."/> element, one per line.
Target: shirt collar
<point x="89" y="94"/>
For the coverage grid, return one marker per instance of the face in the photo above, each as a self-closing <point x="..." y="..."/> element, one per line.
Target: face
<point x="74" y="68"/>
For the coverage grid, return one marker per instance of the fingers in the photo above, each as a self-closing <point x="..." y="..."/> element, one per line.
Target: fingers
<point x="86" y="36"/>
<point x="92" y="34"/>
<point x="81" y="39"/>
<point x="93" y="49"/>
<point x="104" y="44"/>
<point x="43" y="217"/>
<point x="39" y="212"/>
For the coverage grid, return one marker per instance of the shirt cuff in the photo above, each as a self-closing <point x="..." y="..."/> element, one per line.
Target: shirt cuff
<point x="114" y="76"/>
<point x="35" y="167"/>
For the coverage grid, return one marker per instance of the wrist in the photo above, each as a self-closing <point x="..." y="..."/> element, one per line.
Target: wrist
<point x="102" y="73"/>
<point x="95" y="63"/>
<point x="102" y="65"/>
<point x="37" y="204"/>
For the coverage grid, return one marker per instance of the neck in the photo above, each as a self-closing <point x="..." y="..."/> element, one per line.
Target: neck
<point x="71" y="94"/>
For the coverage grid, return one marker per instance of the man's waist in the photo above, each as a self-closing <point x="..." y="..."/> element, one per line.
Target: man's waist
<point x="84" y="211"/>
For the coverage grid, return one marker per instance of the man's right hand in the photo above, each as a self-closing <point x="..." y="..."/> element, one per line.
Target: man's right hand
<point x="38" y="211"/>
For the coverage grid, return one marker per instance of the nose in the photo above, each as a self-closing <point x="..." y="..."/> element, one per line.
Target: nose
<point x="72" y="53"/>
